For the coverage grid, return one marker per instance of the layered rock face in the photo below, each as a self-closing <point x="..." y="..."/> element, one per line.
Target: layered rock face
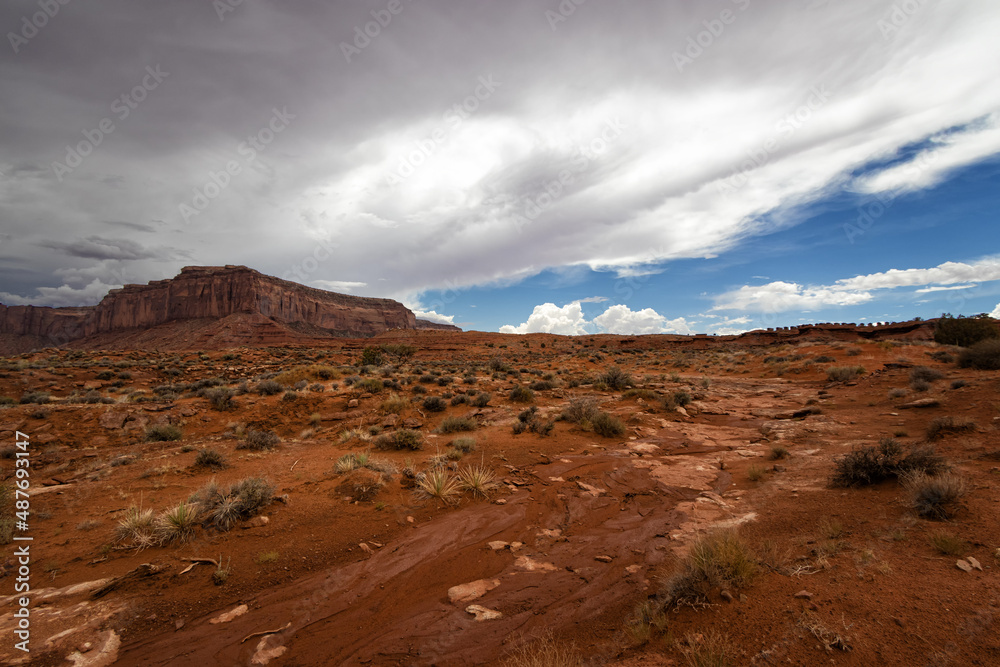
<point x="205" y="292"/>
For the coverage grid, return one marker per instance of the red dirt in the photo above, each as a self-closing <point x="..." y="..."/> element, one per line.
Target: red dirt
<point x="613" y="517"/>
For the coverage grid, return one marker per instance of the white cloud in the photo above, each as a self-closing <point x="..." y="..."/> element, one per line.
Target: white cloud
<point x="939" y="288"/>
<point x="996" y="312"/>
<point x="432" y="316"/>
<point x="783" y="296"/>
<point x="550" y="318"/>
<point x="621" y="319"/>
<point x="338" y="285"/>
<point x="594" y="299"/>
<point x="64" y="295"/>
<point x="617" y="319"/>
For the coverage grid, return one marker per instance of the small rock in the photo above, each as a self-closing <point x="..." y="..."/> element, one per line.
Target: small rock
<point x="283" y="498"/>
<point x="530" y="565"/>
<point x="410" y="519"/>
<point x="500" y="501"/>
<point x="898" y="621"/>
<point x="390" y="421"/>
<point x="726" y="595"/>
<point x="367" y="549"/>
<point x="85" y="646"/>
<point x="778" y="468"/>
<point x="920" y="403"/>
<point x="743" y="598"/>
<point x="592" y="490"/>
<point x="497" y="545"/>
<point x="603" y="559"/>
<point x="804" y="595"/>
<point x="412" y="423"/>
<point x="964" y="565"/>
<point x="178" y="624"/>
<point x="516" y="545"/>
<point x="482" y="613"/>
<point x="682" y="411"/>
<point x="256" y="522"/>
<point x="545" y="532"/>
<point x="230" y="615"/>
<point x="353" y="403"/>
<point x="974" y="563"/>
<point x="472" y="590"/>
<point x="632" y="569"/>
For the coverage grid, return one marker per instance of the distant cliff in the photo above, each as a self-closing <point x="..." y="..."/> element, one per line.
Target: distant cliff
<point x="204" y="293"/>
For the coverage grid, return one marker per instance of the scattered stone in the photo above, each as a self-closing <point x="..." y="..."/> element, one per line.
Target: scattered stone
<point x="256" y="522"/>
<point x="85" y="646"/>
<point x="113" y="419"/>
<point x="412" y="423"/>
<point x="592" y="490"/>
<point x="682" y="411"/>
<point x="179" y="623"/>
<point x="528" y="564"/>
<point x="482" y="613"/>
<point x="804" y="595"/>
<point x="367" y="549"/>
<point x="964" y="565"/>
<point x="498" y="545"/>
<point x="353" y="403"/>
<point x="632" y="569"/>
<point x="545" y="532"/>
<point x="410" y="519"/>
<point x="778" y="468"/>
<point x="500" y="501"/>
<point x="390" y="421"/>
<point x="268" y="648"/>
<point x="516" y="545"/>
<point x="472" y="590"/>
<point x="603" y="559"/>
<point x="743" y="597"/>
<point x="230" y="615"/>
<point x="974" y="563"/>
<point x="726" y="595"/>
<point x="106" y="652"/>
<point x="283" y="498"/>
<point x="920" y="403"/>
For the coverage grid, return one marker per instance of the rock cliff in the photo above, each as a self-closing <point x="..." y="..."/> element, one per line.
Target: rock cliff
<point x="200" y="293"/>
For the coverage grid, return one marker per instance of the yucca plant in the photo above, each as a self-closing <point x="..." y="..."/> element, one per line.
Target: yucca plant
<point x="480" y="480"/>
<point x="177" y="524"/>
<point x="438" y="484"/>
<point x="137" y="529"/>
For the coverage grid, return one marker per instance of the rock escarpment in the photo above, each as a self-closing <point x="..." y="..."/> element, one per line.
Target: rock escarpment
<point x="200" y="293"/>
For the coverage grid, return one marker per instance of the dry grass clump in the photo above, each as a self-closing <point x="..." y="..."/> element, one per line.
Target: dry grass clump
<point x="521" y="394"/>
<point x="456" y="424"/>
<point x="580" y="411"/>
<point x="258" y="440"/>
<point x="934" y="497"/>
<point x="177" y="524"/>
<point x="543" y="652"/>
<point x="223" y="508"/>
<point x="210" y="458"/>
<point x="947" y="544"/>
<point x="983" y="356"/>
<point x="941" y="426"/>
<point x="363" y="485"/>
<point x="615" y="378"/>
<point x="709" y="649"/>
<point x="607" y="426"/>
<point x="529" y="420"/>
<point x="403" y="438"/>
<point x="163" y="433"/>
<point x="844" y="373"/>
<point x="721" y="559"/>
<point x="137" y="530"/>
<point x="872" y="464"/>
<point x="395" y="404"/>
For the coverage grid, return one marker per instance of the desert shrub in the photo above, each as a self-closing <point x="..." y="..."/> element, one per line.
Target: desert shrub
<point x="258" y="440"/>
<point x="177" y="524"/>
<point x="242" y="500"/>
<point x="777" y="453"/>
<point x="645" y="394"/>
<point x="445" y="380"/>
<point x="35" y="397"/>
<point x="364" y="485"/>
<point x="459" y="399"/>
<point x="400" y="352"/>
<point x="947" y="544"/>
<point x="7" y="400"/>
<point x="710" y="649"/>
<point x="958" y="384"/>
<point x="843" y="373"/>
<point x="289" y="396"/>
<point x="104" y="375"/>
<point x="456" y="424"/>
<point x="137" y="529"/>
<point x="221" y="398"/>
<point x="394" y="404"/>
<point x="163" y="433"/>
<point x="428" y="378"/>
<point x="543" y="652"/>
<point x="897" y="392"/>
<point x="872" y="464"/>
<point x="755" y="473"/>
<point x="853" y="351"/>
<point x="580" y="411"/>
<point x="521" y="394"/>
<point x="926" y="374"/>
<point x="678" y="399"/>
<point x="965" y="331"/>
<point x="269" y="388"/>
<point x="210" y="458"/>
<point x="983" y="356"/>
<point x="419" y="389"/>
<point x="941" y="426"/>
<point x="540" y="385"/>
<point x="606" y="425"/>
<point x="371" y="356"/>
<point x="615" y="378"/>
<point x="721" y="559"/>
<point x="933" y="497"/>
<point x="497" y="365"/>
<point x="481" y="400"/>
<point x="920" y="385"/>
<point x="944" y="356"/>
<point x="399" y="439"/>
<point x="434" y="404"/>
<point x="824" y="359"/>
<point x="464" y="445"/>
<point x="369" y="385"/>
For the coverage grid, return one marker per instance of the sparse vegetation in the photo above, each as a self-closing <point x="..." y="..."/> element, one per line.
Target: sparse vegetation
<point x="933" y="497"/>
<point x="480" y="480"/>
<point x="163" y="433"/>
<point x="434" y="404"/>
<point x="223" y="508"/>
<point x="721" y="559"/>
<point x="522" y="394"/>
<point x="947" y="544"/>
<point x="456" y="424"/>
<point x="210" y="458"/>
<point x="606" y="425"/>
<point x="400" y="439"/>
<point x="844" y="373"/>
<point x="543" y="652"/>
<point x="615" y="378"/>
<point x="965" y="331"/>
<point x="438" y="484"/>
<point x="942" y="426"/>
<point x="872" y="464"/>
<point x="983" y="356"/>
<point x="258" y="440"/>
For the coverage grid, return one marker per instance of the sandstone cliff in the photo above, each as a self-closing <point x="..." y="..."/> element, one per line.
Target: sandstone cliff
<point x="200" y="293"/>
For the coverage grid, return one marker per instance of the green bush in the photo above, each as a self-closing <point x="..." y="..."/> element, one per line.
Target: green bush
<point x="606" y="425"/>
<point x="371" y="356"/>
<point x="522" y="394"/>
<point x="163" y="433"/>
<point x="965" y="331"/>
<point x="983" y="356"/>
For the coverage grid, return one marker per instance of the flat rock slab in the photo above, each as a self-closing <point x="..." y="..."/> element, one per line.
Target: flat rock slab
<point x="472" y="590"/>
<point x="920" y="403"/>
<point x="482" y="613"/>
<point x="230" y="615"/>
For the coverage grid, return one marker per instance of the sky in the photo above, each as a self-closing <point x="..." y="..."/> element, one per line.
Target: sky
<point x="563" y="166"/>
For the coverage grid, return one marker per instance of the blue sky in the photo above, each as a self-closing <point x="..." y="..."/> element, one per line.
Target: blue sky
<point x="566" y="165"/>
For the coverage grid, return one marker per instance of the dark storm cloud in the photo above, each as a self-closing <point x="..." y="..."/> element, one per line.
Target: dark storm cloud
<point x="460" y="127"/>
